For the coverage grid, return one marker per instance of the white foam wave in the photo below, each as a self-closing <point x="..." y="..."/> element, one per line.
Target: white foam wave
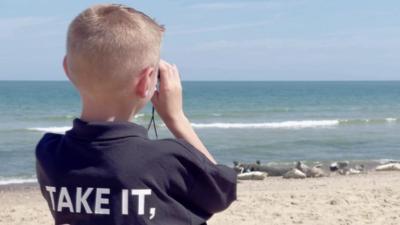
<point x="273" y="125"/>
<point x="17" y="181"/>
<point x="367" y="121"/>
<point x="266" y="125"/>
<point x="62" y="130"/>
<point x="59" y="130"/>
<point x="139" y="115"/>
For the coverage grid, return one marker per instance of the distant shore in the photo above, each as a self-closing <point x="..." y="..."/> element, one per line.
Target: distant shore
<point x="372" y="198"/>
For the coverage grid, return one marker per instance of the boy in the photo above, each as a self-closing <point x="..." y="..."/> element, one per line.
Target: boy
<point x="105" y="170"/>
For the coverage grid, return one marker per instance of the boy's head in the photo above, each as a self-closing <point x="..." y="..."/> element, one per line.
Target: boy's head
<point x="113" y="51"/>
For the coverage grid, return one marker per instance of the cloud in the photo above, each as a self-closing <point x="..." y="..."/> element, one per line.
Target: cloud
<point x="272" y="4"/>
<point x="334" y="43"/>
<point x="219" y="28"/>
<point x="21" y="22"/>
<point x="231" y="5"/>
<point x="10" y="27"/>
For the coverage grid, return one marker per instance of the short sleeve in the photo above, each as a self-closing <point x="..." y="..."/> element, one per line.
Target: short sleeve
<point x="214" y="186"/>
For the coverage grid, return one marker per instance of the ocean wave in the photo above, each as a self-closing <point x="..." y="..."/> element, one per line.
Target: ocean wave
<point x="139" y="115"/>
<point x="7" y="181"/>
<point x="300" y="124"/>
<point x="368" y="121"/>
<point x="273" y="125"/>
<point x="59" y="130"/>
<point x="57" y="117"/>
<point x="68" y="117"/>
<point x="63" y="129"/>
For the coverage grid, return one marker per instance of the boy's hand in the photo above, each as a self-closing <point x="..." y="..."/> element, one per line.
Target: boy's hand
<point x="168" y="99"/>
<point x="168" y="103"/>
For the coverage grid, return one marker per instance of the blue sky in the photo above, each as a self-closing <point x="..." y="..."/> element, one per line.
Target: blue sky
<point x="225" y="40"/>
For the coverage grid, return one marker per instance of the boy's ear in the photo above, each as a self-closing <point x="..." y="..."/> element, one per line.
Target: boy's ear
<point x="143" y="85"/>
<point x="65" y="66"/>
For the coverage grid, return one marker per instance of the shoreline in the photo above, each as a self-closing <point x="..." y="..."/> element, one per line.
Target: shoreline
<point x="370" y="165"/>
<point x="372" y="198"/>
<point x="19" y="187"/>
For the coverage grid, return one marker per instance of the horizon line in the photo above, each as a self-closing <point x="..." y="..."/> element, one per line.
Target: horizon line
<point x="231" y="80"/>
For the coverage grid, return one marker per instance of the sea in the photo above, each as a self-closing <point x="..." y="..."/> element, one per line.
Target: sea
<point x="273" y="122"/>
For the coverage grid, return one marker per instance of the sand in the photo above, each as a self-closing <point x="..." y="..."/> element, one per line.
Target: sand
<point x="372" y="198"/>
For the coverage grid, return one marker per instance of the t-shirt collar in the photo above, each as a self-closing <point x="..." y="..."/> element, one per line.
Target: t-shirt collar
<point x="106" y="129"/>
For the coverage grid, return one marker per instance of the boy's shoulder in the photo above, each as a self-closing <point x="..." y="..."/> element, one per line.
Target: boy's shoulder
<point x="171" y="153"/>
<point x="50" y="136"/>
<point x="168" y="152"/>
<point x="163" y="149"/>
<point x="48" y="139"/>
<point x="172" y="146"/>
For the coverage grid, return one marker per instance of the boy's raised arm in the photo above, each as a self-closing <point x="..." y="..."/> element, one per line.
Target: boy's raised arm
<point x="168" y="103"/>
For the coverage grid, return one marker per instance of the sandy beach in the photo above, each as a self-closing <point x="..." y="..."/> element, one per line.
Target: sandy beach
<point x="372" y="198"/>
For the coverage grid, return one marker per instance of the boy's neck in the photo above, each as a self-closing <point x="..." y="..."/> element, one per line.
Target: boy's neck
<point x="90" y="117"/>
<point x="106" y="113"/>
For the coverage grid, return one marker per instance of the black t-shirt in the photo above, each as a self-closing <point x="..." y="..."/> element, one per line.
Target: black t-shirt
<point x="110" y="173"/>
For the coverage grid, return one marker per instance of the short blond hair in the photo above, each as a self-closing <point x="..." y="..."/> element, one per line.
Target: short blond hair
<point x="108" y="44"/>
